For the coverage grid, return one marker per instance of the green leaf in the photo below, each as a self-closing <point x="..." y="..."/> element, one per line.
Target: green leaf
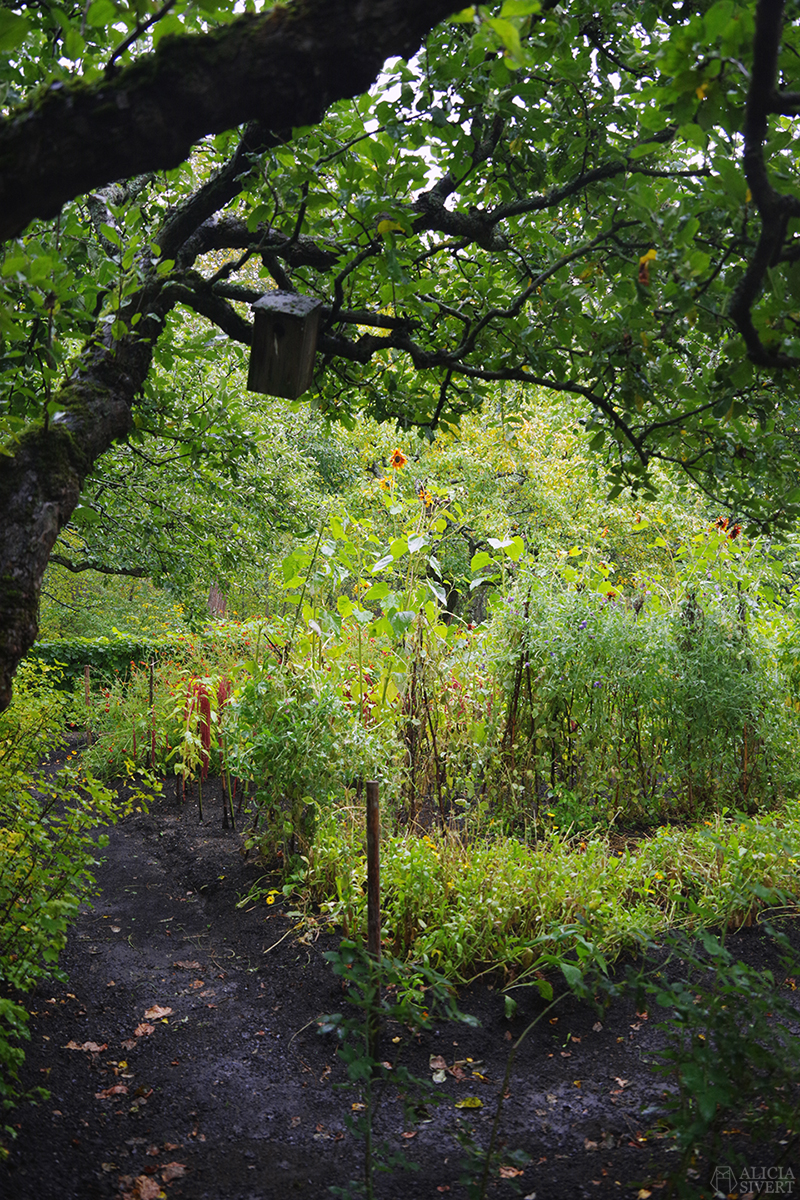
<point x="13" y="30"/>
<point x="386" y="561"/>
<point x="378" y="591"/>
<point x="520" y="8"/>
<point x="101" y="12"/>
<point x="572" y="974"/>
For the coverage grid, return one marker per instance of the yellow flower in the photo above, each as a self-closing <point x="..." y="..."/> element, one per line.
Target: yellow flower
<point x="385" y="484"/>
<point x="397" y="460"/>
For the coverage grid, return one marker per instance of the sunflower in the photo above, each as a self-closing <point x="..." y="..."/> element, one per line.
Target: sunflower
<point x="397" y="460"/>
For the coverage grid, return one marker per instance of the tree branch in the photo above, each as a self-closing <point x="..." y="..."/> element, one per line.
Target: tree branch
<point x="283" y="67"/>
<point x="775" y="209"/>
<point x="102" y="568"/>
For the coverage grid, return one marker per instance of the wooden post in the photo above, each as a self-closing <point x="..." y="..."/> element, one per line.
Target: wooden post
<point x="374" y="904"/>
<point x="373" y="870"/>
<point x="152" y="717"/>
<point x="87" y="698"/>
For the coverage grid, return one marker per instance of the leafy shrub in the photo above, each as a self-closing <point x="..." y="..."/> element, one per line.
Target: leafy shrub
<point x="731" y="1052"/>
<point x="286" y="731"/>
<point x="650" y="714"/>
<point x="48" y="848"/>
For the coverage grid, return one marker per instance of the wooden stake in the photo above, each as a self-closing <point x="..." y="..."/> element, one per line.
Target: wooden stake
<point x="373" y="870"/>
<point x="152" y="717"/>
<point x="374" y="906"/>
<point x="87" y="698"/>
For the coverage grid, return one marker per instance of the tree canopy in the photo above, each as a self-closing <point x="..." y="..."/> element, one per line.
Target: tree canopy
<point x="598" y="200"/>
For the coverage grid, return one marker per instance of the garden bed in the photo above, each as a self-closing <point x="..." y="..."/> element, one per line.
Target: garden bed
<point x="231" y="1092"/>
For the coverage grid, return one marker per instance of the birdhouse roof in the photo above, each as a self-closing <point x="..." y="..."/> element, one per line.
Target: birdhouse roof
<point x="290" y="304"/>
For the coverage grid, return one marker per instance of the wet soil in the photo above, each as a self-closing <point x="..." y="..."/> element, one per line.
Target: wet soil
<point x="231" y="1092"/>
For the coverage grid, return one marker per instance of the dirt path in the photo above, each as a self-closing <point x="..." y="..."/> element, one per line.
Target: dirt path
<point x="230" y="1094"/>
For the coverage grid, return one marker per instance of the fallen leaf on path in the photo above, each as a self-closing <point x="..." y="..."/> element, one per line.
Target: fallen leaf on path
<point x="643" y="1194"/>
<point x="152" y="1151"/>
<point x="566" y="1054"/>
<point x="156" y="1011"/>
<point x="196" y="983"/>
<point x="144" y="1188"/>
<point x="128" y="1044"/>
<point x="443" y="1187"/>
<point x="119" y="1089"/>
<point x="171" y="1146"/>
<point x="173" y="1170"/>
<point x="187" y="966"/>
<point x="437" y="1063"/>
<point x="510" y="1172"/>
<point x="598" y="1025"/>
<point x="588" y="1144"/>
<point x="93" y="1047"/>
<point x="108" y="1167"/>
<point x="144" y="1030"/>
<point x="412" y="1133"/>
<point x="469" y="1102"/>
<point x="439" y="1077"/>
<point x="622" y="1082"/>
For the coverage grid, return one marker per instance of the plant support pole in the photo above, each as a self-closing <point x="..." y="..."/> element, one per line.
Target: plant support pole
<point x="152" y="716"/>
<point x="374" y="907"/>
<point x="373" y="871"/>
<point x="87" y="698"/>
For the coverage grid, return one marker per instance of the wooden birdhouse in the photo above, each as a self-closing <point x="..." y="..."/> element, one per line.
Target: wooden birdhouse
<point x="284" y="342"/>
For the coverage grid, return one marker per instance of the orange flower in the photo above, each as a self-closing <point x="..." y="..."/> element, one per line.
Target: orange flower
<point x="397" y="460"/>
<point x="385" y="484"/>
